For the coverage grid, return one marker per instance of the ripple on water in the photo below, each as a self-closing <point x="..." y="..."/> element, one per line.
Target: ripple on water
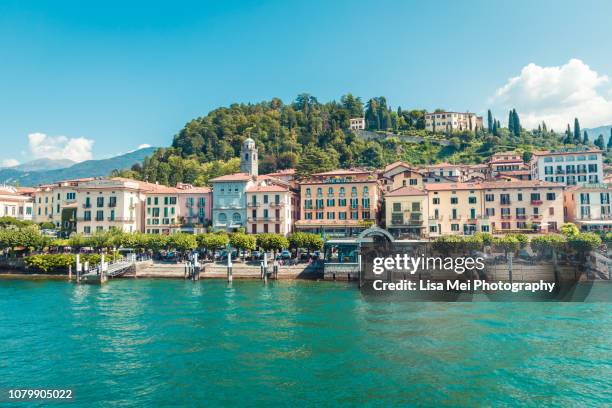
<point x="160" y="342"/>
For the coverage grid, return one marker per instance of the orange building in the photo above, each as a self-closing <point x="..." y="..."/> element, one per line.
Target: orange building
<point x="339" y="202"/>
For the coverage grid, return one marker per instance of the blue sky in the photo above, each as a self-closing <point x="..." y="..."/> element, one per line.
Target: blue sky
<point x="110" y="77"/>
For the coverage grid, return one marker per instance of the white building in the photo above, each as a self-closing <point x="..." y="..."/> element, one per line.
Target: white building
<point x="270" y="206"/>
<point x="107" y="204"/>
<point x="452" y="121"/>
<point x="357" y="123"/>
<point x="570" y="167"/>
<point x="15" y="205"/>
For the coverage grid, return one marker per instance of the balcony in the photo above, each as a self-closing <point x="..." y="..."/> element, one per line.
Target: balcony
<point x="121" y="219"/>
<point x="536" y="202"/>
<point x="521" y="217"/>
<point x="506" y="217"/>
<point x="275" y="204"/>
<point x="87" y="205"/>
<point x="112" y="205"/>
<point x="251" y="204"/>
<point x="504" y="202"/>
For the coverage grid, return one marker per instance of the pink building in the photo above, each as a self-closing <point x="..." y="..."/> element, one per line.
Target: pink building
<point x="195" y="206"/>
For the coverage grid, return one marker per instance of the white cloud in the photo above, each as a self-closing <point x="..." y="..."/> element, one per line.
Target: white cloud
<point x="9" y="163"/>
<point x="60" y="147"/>
<point x="556" y="95"/>
<point x="143" y="146"/>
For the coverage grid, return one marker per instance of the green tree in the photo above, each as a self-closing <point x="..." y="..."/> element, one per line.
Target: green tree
<point x="577" y="132"/>
<point x="212" y="241"/>
<point x="569" y="230"/>
<point x="272" y="242"/>
<point x="243" y="242"/>
<point x="600" y="143"/>
<point x="182" y="241"/>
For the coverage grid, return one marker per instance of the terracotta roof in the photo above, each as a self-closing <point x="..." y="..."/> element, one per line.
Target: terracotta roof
<point x="233" y="177"/>
<point x="284" y="172"/>
<point x="391" y="166"/>
<point x="406" y="191"/>
<point x="26" y="190"/>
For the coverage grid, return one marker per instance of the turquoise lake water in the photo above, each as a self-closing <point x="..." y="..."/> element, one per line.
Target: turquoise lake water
<point x="176" y="343"/>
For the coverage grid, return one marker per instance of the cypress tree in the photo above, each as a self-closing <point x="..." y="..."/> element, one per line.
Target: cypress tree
<point x="511" y="122"/>
<point x="610" y="140"/>
<point x="600" y="142"/>
<point x="568" y="135"/>
<point x="489" y="121"/>
<point x="494" y="128"/>
<point x="577" y="132"/>
<point x="516" y="123"/>
<point x="585" y="138"/>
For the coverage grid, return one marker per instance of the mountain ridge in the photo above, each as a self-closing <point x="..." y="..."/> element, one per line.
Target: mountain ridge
<point x="88" y="168"/>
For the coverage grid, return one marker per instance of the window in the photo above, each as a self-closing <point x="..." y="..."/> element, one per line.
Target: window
<point x="416" y="206"/>
<point x="236" y="218"/>
<point x="397" y="207"/>
<point x="331" y="202"/>
<point x="489" y="197"/>
<point x="331" y="215"/>
<point x="413" y="182"/>
<point x="265" y="199"/>
<point x="100" y="202"/>
<point x="222" y="217"/>
<point x="87" y="216"/>
<point x="454" y="227"/>
<point x="472" y="200"/>
<point x="99" y="215"/>
<point x="550" y="196"/>
<point x="436" y="200"/>
<point x="308" y="191"/>
<point x="454" y="200"/>
<point x="330" y="191"/>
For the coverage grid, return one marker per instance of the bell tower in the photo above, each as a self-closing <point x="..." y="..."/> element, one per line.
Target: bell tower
<point x="248" y="157"/>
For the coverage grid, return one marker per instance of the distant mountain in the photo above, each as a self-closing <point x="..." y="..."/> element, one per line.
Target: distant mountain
<point x="89" y="168"/>
<point x="601" y="130"/>
<point x="44" y="164"/>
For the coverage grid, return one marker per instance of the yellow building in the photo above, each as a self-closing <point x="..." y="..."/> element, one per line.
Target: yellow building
<point x="406" y="212"/>
<point x="400" y="174"/>
<point x="43" y="203"/>
<point x="455" y="208"/>
<point x="589" y="206"/>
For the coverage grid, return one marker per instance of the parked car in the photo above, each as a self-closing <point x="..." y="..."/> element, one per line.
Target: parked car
<point x="285" y="254"/>
<point x="255" y="255"/>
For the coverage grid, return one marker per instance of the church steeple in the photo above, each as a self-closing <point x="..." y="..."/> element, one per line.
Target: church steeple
<point x="248" y="157"/>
